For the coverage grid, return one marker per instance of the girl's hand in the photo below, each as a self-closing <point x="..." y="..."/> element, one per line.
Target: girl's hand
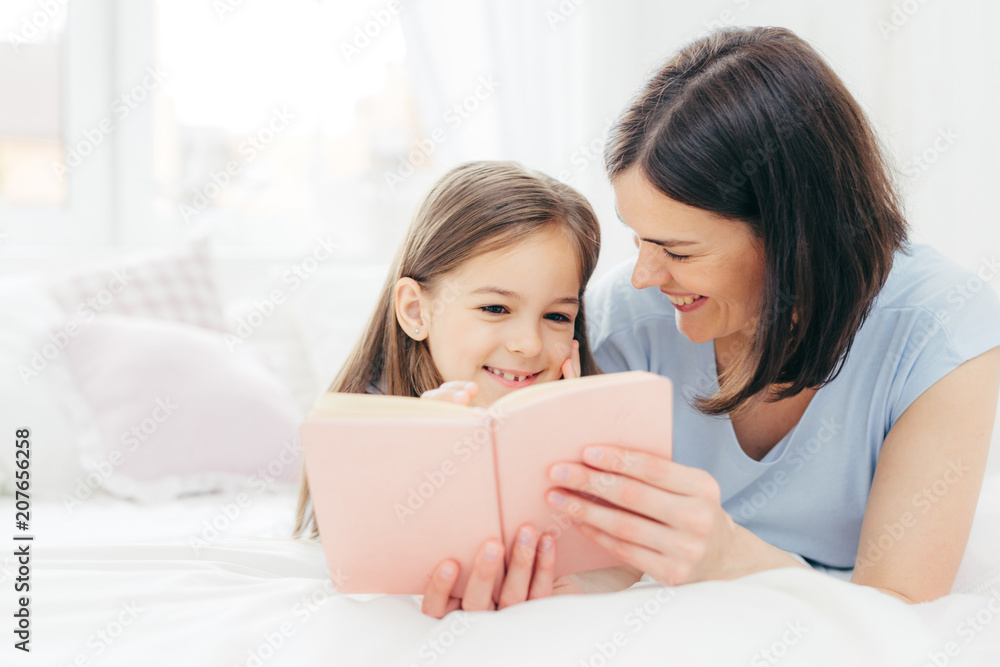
<point x="456" y="391"/>
<point x="529" y="577"/>
<point x="571" y="367"/>
<point x="675" y="529"/>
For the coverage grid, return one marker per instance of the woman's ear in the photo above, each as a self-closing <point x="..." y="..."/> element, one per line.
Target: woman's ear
<point x="408" y="299"/>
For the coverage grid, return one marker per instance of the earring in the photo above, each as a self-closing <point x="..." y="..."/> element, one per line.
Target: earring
<point x="416" y="331"/>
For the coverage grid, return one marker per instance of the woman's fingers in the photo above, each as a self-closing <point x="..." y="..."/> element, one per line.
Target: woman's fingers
<point x="479" y="589"/>
<point x="653" y="470"/>
<point x="437" y="595"/>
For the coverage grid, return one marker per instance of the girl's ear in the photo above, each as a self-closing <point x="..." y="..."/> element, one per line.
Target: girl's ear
<point x="409" y="308"/>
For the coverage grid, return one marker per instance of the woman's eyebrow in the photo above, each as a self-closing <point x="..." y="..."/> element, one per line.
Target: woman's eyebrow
<point x="668" y="242"/>
<point x="572" y="300"/>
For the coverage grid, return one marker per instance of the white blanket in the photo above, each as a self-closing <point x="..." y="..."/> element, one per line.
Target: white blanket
<point x="120" y="584"/>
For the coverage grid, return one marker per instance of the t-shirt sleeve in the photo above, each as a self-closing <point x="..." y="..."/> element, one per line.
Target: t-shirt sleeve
<point x="940" y="337"/>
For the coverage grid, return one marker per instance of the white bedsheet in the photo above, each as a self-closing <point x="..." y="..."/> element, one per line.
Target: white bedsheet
<point x="250" y="597"/>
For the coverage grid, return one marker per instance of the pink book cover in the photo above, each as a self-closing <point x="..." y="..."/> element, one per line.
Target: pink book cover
<point x="399" y="484"/>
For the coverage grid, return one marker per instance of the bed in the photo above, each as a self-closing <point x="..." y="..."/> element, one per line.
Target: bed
<point x="192" y="567"/>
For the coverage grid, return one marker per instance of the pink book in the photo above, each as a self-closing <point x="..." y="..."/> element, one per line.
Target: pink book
<point x="398" y="484"/>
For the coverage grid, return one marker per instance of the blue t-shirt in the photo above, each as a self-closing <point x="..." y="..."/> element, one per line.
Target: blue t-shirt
<point x="808" y="494"/>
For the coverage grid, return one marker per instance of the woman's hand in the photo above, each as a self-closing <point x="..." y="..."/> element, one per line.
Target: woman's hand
<point x="571" y="367"/>
<point x="529" y="577"/>
<point x="456" y="391"/>
<point x="675" y="528"/>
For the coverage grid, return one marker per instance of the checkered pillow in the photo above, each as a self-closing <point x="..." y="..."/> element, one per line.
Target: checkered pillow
<point x="170" y="285"/>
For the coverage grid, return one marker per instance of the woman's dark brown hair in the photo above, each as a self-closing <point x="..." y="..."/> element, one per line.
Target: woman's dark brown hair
<point x="475" y="208"/>
<point x="752" y="125"/>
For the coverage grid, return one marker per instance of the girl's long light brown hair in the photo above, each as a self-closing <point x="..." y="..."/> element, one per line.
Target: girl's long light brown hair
<point x="476" y="208"/>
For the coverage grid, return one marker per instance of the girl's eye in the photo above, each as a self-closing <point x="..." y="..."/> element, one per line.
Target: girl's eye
<point x="558" y="317"/>
<point x="493" y="310"/>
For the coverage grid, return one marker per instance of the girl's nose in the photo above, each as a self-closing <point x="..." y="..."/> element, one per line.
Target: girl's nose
<point x="526" y="340"/>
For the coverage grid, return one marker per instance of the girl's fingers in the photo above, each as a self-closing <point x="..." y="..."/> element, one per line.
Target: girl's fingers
<point x="522" y="562"/>
<point x="437" y="595"/>
<point x="479" y="590"/>
<point x="571" y="367"/>
<point x="545" y="565"/>
<point x="455" y="391"/>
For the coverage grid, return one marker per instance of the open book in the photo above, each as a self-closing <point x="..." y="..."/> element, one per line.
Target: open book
<point x="398" y="484"/>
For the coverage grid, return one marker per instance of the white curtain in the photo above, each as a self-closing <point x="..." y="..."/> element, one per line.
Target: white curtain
<point x="925" y="72"/>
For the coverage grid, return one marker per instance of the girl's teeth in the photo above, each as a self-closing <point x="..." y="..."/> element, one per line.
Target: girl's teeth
<point x="685" y="301"/>
<point x="508" y="376"/>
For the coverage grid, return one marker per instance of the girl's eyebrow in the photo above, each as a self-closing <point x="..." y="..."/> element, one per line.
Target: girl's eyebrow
<point x="668" y="242"/>
<point x="515" y="296"/>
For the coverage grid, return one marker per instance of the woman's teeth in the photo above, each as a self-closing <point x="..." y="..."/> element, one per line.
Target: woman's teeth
<point x="508" y="376"/>
<point x="685" y="300"/>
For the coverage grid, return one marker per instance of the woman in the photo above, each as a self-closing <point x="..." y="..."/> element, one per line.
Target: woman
<point x="775" y="284"/>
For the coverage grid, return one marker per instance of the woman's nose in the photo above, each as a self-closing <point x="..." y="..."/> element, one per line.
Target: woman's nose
<point x="649" y="269"/>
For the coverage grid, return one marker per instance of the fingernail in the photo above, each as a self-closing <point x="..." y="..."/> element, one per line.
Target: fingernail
<point x="546" y="543"/>
<point x="492" y="552"/>
<point x="524" y="536"/>
<point x="557" y="498"/>
<point x="560" y="473"/>
<point x="592" y="454"/>
<point x="446" y="570"/>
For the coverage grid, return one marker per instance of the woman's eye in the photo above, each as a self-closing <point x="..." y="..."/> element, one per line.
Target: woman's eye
<point x="493" y="310"/>
<point x="558" y="317"/>
<point x="671" y="255"/>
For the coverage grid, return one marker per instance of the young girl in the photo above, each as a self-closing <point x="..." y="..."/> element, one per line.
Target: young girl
<point x="485" y="297"/>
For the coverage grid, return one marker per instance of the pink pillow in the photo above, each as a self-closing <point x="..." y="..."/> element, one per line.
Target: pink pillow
<point x="178" y="412"/>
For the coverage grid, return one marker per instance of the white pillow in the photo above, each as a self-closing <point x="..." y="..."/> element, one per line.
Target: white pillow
<point x="179" y="412"/>
<point x="173" y="284"/>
